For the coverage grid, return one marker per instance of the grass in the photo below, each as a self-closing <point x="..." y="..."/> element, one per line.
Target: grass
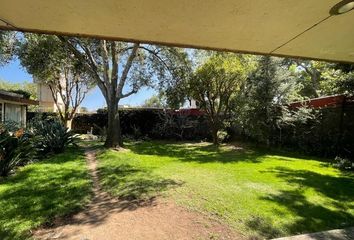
<point x="257" y="192"/>
<point x="41" y="191"/>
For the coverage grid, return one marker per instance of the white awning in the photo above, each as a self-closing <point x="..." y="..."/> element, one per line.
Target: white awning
<point x="299" y="28"/>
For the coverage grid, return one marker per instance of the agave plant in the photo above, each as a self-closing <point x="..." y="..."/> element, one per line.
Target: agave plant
<point x="15" y="149"/>
<point x="52" y="136"/>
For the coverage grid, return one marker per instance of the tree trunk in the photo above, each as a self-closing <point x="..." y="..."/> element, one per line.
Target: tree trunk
<point x="114" y="136"/>
<point x="315" y="80"/>
<point x="68" y="123"/>
<point x="214" y="132"/>
<point x="65" y="120"/>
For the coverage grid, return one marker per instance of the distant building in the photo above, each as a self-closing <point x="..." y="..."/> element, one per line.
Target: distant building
<point x="193" y="104"/>
<point x="124" y="106"/>
<point x="45" y="98"/>
<point x="190" y="104"/>
<point x="13" y="107"/>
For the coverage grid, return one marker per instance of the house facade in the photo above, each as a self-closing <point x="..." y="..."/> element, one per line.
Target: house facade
<point x="13" y="107"/>
<point x="45" y="98"/>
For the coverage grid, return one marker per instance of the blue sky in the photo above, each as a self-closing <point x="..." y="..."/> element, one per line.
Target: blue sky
<point x="14" y="73"/>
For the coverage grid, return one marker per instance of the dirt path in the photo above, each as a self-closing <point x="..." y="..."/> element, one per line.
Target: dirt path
<point x="107" y="218"/>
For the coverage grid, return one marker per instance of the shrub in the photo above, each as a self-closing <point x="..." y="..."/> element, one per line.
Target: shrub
<point x="102" y="132"/>
<point x="136" y="133"/>
<point x="180" y="127"/>
<point x="16" y="149"/>
<point x="222" y="136"/>
<point x="53" y="136"/>
<point x="343" y="163"/>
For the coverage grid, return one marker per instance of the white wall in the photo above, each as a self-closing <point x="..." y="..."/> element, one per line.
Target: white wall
<point x="45" y="98"/>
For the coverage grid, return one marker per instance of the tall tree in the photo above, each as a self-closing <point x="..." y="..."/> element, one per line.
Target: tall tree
<point x="318" y="78"/>
<point x="338" y="79"/>
<point x="311" y="71"/>
<point x="154" y="101"/>
<point x="215" y="84"/>
<point x="52" y="64"/>
<point x="7" y="46"/>
<point x="267" y="88"/>
<point x="121" y="69"/>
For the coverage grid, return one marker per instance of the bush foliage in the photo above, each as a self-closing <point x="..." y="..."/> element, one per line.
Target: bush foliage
<point x="151" y="123"/>
<point x="19" y="146"/>
<point x="52" y="136"/>
<point x="16" y="149"/>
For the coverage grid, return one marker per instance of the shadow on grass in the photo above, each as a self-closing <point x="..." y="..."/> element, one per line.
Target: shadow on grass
<point x="263" y="227"/>
<point x="131" y="187"/>
<point x="133" y="184"/>
<point x="339" y="188"/>
<point x="312" y="216"/>
<point x="197" y="152"/>
<point x="41" y="191"/>
<point x="207" y="152"/>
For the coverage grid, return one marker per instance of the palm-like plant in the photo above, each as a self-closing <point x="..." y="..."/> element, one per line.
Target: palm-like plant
<point x="52" y="136"/>
<point x="15" y="149"/>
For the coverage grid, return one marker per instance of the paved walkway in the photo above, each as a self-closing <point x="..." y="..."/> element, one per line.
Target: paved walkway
<point x="107" y="218"/>
<point x="338" y="234"/>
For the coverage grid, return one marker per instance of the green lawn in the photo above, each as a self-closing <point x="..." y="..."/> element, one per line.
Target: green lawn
<point x="40" y="191"/>
<point x="255" y="191"/>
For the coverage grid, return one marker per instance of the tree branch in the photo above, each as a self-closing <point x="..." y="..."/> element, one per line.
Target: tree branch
<point x="156" y="54"/>
<point x="129" y="93"/>
<point x="53" y="92"/>
<point x="115" y="63"/>
<point x="104" y="55"/>
<point x="89" y="65"/>
<point x="127" y="67"/>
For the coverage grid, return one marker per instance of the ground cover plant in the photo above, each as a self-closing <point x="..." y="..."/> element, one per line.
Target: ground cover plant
<point x="40" y="191"/>
<point x="257" y="192"/>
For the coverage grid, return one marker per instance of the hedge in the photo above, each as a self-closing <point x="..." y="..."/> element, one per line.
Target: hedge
<point x="330" y="135"/>
<point x="152" y="123"/>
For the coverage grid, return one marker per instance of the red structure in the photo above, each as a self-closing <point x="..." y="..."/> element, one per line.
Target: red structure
<point x="323" y="102"/>
<point x="189" y="112"/>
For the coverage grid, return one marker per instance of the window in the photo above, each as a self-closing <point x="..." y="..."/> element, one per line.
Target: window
<point x="13" y="113"/>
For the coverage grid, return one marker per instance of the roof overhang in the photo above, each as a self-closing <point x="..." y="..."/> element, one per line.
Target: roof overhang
<point x="16" y="98"/>
<point x="300" y="28"/>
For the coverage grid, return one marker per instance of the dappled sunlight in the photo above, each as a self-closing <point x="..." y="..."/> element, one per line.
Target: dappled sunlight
<point x="316" y="201"/>
<point x="308" y="214"/>
<point x="260" y="192"/>
<point x="128" y="182"/>
<point x="263" y="227"/>
<point x="327" y="185"/>
<point x="41" y="191"/>
<point x="197" y="152"/>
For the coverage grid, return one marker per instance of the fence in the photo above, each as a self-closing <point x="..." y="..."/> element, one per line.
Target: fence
<point x="331" y="134"/>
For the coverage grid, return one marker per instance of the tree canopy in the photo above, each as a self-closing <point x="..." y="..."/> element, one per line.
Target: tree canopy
<point x="216" y="83"/>
<point x="7" y="46"/>
<point x="154" y="101"/>
<point x="120" y="69"/>
<point x="51" y="63"/>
